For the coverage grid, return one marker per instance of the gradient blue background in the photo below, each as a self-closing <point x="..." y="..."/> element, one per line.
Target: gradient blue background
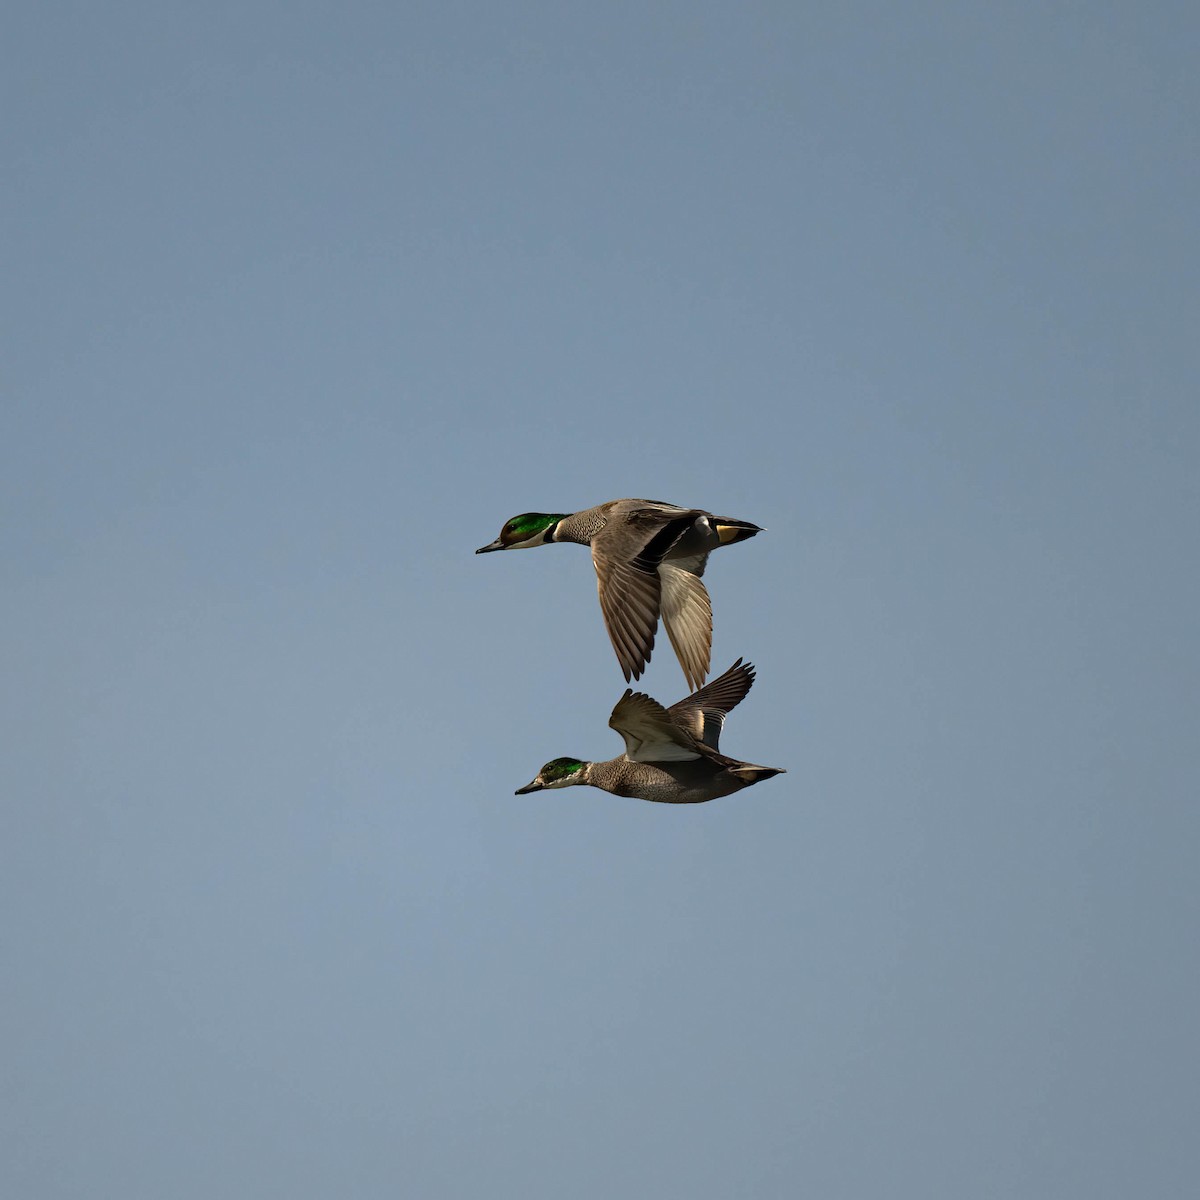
<point x="301" y="302"/>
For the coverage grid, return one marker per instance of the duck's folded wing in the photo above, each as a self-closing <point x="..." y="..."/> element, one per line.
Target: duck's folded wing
<point x="687" y="614"/>
<point x="703" y="713"/>
<point x="629" y="600"/>
<point x="650" y="733"/>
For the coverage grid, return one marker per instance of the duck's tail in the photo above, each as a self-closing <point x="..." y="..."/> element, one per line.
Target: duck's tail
<point x="748" y="773"/>
<point x="730" y="530"/>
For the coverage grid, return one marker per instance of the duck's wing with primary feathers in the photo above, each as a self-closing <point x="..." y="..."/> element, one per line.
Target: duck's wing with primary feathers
<point x="630" y="600"/>
<point x="636" y="587"/>
<point x="687" y="614"/>
<point x="651" y="733"/>
<point x="703" y="713"/>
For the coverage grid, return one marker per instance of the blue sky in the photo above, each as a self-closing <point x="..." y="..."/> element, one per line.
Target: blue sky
<point x="302" y="302"/>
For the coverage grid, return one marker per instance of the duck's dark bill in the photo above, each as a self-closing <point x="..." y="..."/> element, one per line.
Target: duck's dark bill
<point x="529" y="787"/>
<point x="496" y="545"/>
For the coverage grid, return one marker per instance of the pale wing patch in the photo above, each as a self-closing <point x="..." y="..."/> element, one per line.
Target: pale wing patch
<point x="629" y="600"/>
<point x="650" y="733"/>
<point x="703" y="713"/>
<point x="687" y="614"/>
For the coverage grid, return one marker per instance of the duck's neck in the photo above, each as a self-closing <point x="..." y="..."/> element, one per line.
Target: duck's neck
<point x="555" y="529"/>
<point x="577" y="527"/>
<point x="588" y="776"/>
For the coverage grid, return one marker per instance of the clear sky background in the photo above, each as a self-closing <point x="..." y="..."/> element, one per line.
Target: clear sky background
<point x="301" y="302"/>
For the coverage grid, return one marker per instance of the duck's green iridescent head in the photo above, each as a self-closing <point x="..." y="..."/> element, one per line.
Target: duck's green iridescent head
<point x="559" y="772"/>
<point x="528" y="529"/>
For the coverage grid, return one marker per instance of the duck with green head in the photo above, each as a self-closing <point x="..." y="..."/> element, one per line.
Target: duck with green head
<point x="649" y="557"/>
<point x="672" y="755"/>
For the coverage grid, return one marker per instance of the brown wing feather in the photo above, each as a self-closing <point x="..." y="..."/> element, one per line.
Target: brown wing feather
<point x="629" y="600"/>
<point x="650" y="732"/>
<point x="687" y="614"/>
<point x="703" y="713"/>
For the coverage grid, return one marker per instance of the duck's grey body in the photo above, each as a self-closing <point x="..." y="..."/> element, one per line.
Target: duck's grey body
<point x="671" y="754"/>
<point x="671" y="783"/>
<point x="649" y="557"/>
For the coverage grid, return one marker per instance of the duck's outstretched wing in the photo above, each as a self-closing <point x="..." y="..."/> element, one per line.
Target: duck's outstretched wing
<point x="702" y="714"/>
<point x="651" y="734"/>
<point x="687" y="614"/>
<point x="629" y="600"/>
<point x="627" y="554"/>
